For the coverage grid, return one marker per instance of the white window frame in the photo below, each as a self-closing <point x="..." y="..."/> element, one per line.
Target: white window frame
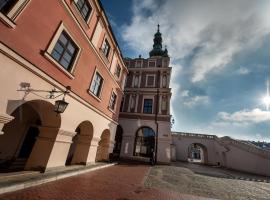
<point x="91" y="14"/>
<point x="110" y="101"/>
<point x="101" y="89"/>
<point x="51" y="46"/>
<point x="152" y="60"/>
<point x="146" y="80"/>
<point x="102" y="47"/>
<point x="138" y="61"/>
<point x="10" y="18"/>
<point x="116" y="68"/>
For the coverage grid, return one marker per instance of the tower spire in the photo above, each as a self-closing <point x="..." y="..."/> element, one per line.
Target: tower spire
<point x="157" y="47"/>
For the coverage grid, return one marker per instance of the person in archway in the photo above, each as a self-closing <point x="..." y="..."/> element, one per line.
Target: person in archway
<point x="152" y="157"/>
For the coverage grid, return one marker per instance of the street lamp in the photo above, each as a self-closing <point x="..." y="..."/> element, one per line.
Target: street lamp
<point x="59" y="106"/>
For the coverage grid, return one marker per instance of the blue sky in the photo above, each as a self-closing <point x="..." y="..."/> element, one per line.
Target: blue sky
<point x="220" y="54"/>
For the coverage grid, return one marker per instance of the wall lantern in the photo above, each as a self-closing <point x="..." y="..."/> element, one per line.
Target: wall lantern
<point x="59" y="106"/>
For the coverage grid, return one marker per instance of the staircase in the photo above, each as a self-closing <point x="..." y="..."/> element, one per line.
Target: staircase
<point x="247" y="146"/>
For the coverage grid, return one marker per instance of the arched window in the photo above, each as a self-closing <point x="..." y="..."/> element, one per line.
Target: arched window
<point x="144" y="142"/>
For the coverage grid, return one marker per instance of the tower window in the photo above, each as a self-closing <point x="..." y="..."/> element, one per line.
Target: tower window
<point x="148" y="106"/>
<point x="151" y="63"/>
<point x="150" y="80"/>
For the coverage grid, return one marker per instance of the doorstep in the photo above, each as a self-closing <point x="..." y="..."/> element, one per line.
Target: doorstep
<point x="10" y="182"/>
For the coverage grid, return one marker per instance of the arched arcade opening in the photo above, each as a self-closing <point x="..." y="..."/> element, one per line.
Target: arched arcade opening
<point x="81" y="142"/>
<point x="144" y="142"/>
<point x="20" y="135"/>
<point x="197" y="153"/>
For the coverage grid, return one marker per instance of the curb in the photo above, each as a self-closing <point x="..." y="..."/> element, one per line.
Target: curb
<point x="31" y="183"/>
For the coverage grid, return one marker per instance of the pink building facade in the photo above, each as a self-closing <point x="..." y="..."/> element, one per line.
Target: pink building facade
<point x="52" y="45"/>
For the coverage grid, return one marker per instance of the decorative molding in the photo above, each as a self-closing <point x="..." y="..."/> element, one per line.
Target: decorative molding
<point x="7" y="21"/>
<point x="5" y="118"/>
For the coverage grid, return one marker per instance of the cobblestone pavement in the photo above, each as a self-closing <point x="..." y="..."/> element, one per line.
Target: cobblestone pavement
<point x="209" y="182"/>
<point x="138" y="181"/>
<point x="120" y="182"/>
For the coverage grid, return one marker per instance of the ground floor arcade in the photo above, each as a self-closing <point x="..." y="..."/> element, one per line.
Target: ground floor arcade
<point x="33" y="136"/>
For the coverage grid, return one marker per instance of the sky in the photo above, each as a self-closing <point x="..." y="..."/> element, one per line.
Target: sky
<point x="220" y="55"/>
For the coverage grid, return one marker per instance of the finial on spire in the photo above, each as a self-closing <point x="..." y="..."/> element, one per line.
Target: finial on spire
<point x="158" y="27"/>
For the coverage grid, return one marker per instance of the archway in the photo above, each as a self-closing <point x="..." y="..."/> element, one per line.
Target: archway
<point x="144" y="142"/>
<point x="103" y="146"/>
<point x="81" y="142"/>
<point x="197" y="153"/>
<point x="118" y="141"/>
<point x="20" y="135"/>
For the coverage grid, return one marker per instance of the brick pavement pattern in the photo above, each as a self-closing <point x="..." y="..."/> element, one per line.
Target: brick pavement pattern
<point x="119" y="182"/>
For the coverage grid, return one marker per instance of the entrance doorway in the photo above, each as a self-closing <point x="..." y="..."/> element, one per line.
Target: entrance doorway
<point x="19" y="138"/>
<point x="197" y="153"/>
<point x="144" y="142"/>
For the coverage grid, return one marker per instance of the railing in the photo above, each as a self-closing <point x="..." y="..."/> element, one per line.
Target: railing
<point x="246" y="146"/>
<point x="211" y="137"/>
<point x="226" y="141"/>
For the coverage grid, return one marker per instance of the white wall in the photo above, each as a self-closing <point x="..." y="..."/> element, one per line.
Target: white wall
<point x="228" y="152"/>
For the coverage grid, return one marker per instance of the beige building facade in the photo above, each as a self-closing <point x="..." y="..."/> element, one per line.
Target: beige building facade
<point x="145" y="110"/>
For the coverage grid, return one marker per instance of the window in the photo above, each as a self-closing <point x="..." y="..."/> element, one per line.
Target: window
<point x="113" y="101"/>
<point x="84" y="8"/>
<point x="151" y="63"/>
<point x="65" y="51"/>
<point x="138" y="63"/>
<point x="147" y="106"/>
<point x="150" y="80"/>
<point x="118" y="71"/>
<point x="106" y="48"/>
<point x="7" y="5"/>
<point x="96" y="84"/>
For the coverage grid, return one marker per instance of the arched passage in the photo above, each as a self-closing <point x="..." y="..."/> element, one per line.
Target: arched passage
<point x="103" y="146"/>
<point x="118" y="140"/>
<point x="81" y="142"/>
<point x="197" y="153"/>
<point x="144" y="142"/>
<point x="20" y="135"/>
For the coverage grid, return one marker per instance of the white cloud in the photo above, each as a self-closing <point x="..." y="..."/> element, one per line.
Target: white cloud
<point x="244" y="116"/>
<point x="192" y="101"/>
<point x="213" y="31"/>
<point x="243" y="71"/>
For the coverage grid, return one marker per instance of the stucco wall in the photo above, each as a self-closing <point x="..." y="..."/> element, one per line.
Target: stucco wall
<point x="54" y="140"/>
<point x="228" y="152"/>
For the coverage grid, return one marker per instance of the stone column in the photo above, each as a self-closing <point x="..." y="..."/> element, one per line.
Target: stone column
<point x="91" y="158"/>
<point x="51" y="149"/>
<point x="127" y="147"/>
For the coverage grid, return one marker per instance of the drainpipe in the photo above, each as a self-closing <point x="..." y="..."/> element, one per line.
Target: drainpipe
<point x="156" y="115"/>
